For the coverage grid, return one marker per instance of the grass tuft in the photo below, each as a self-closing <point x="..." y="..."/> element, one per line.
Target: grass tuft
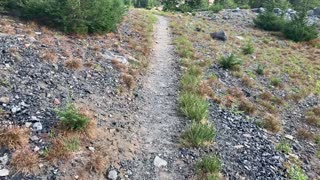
<point x="198" y="134"/>
<point x="193" y="106"/>
<point x="14" y="138"/>
<point x="209" y="166"/>
<point x="25" y="161"/>
<point x="229" y="62"/>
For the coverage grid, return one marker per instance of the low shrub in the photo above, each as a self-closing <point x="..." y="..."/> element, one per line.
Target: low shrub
<point x="216" y="8"/>
<point x="198" y="134"/>
<point x="71" y="119"/>
<point x="269" y="21"/>
<point x="193" y="106"/>
<point x="284" y="147"/>
<point x="229" y="62"/>
<point x="299" y="30"/>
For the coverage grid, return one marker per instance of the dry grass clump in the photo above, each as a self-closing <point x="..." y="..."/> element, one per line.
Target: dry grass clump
<point x="205" y="90"/>
<point x="57" y="151"/>
<point x="73" y="63"/>
<point x="304" y="134"/>
<point x="247" y="81"/>
<point x="91" y="127"/>
<point x="246" y="106"/>
<point x="49" y="56"/>
<point x="313" y="116"/>
<point x="120" y="66"/>
<point x="25" y="161"/>
<point x="14" y="138"/>
<point x="128" y="80"/>
<point x="97" y="163"/>
<point x="271" y="123"/>
<point x="235" y="92"/>
<point x="266" y="96"/>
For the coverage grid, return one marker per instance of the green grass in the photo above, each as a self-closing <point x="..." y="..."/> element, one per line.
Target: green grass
<point x="275" y="81"/>
<point x="184" y="47"/>
<point x="193" y="106"/>
<point x="296" y="173"/>
<point x="198" y="134"/>
<point x="229" y="62"/>
<point x="71" y="119"/>
<point x="72" y="144"/>
<point x="248" y="49"/>
<point x="284" y="147"/>
<point x="209" y="167"/>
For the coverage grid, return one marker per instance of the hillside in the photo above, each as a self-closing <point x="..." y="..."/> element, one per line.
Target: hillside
<point x="199" y="95"/>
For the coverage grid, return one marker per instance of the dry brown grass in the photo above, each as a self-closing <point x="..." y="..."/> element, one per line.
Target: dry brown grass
<point x="91" y="128"/>
<point x="128" y="80"/>
<point x="14" y="137"/>
<point x="205" y="90"/>
<point x="119" y="66"/>
<point x="25" y="161"/>
<point x="271" y="123"/>
<point x="57" y="151"/>
<point x="313" y="116"/>
<point x="267" y="96"/>
<point x="97" y="163"/>
<point x="304" y="134"/>
<point x="247" y="81"/>
<point x="48" y="40"/>
<point x="235" y="92"/>
<point x="246" y="106"/>
<point x="49" y="56"/>
<point x="269" y="107"/>
<point x="74" y="63"/>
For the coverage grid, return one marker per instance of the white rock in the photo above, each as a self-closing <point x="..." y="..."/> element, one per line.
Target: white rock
<point x="36" y="149"/>
<point x="5" y="100"/>
<point x="238" y="146"/>
<point x="37" y="126"/>
<point x="91" y="149"/>
<point x="34" y="138"/>
<point x="15" y="109"/>
<point x="4" y="172"/>
<point x="38" y="33"/>
<point x="113" y="174"/>
<point x="4" y="159"/>
<point x="158" y="162"/>
<point x="289" y="136"/>
<point x="34" y="118"/>
<point x="28" y="124"/>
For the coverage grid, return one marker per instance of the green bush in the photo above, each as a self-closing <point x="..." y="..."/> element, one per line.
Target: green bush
<point x="148" y="4"/>
<point x="198" y="135"/>
<point x="216" y="8"/>
<point x="299" y="30"/>
<point x="229" y="62"/>
<point x="227" y="4"/>
<point x="72" y="16"/>
<point x="296" y="173"/>
<point x="71" y="119"/>
<point x="269" y="21"/>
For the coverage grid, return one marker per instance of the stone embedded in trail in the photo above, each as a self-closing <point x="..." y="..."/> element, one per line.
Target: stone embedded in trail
<point x="4" y="100"/>
<point x="4" y="172"/>
<point x="113" y="175"/>
<point x="221" y="35"/>
<point x="158" y="162"/>
<point x="37" y="126"/>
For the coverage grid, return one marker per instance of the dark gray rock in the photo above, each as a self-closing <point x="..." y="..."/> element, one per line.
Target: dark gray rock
<point x="316" y="11"/>
<point x="277" y="11"/>
<point x="221" y="35"/>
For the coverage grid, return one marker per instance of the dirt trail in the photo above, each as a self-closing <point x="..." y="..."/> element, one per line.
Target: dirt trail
<point x="158" y="114"/>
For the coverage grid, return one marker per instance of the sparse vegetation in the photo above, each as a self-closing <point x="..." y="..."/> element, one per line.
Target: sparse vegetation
<point x="296" y="173"/>
<point x="229" y="62"/>
<point x="209" y="166"/>
<point x="193" y="106"/>
<point x="25" y="161"/>
<point x="275" y="81"/>
<point x="14" y="138"/>
<point x="271" y="123"/>
<point x="284" y="147"/>
<point x="248" y="48"/>
<point x="260" y="69"/>
<point x="198" y="134"/>
<point x="72" y="119"/>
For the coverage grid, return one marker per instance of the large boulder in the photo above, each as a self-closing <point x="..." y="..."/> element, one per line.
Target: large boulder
<point x="316" y="11"/>
<point x="221" y="35"/>
<point x="277" y="11"/>
<point x="310" y="13"/>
